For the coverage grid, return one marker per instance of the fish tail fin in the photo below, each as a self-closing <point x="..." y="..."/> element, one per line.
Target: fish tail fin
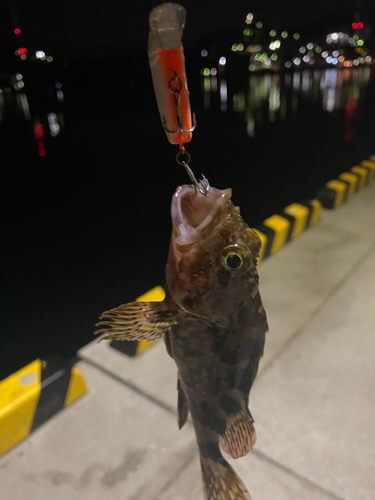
<point x="220" y="481"/>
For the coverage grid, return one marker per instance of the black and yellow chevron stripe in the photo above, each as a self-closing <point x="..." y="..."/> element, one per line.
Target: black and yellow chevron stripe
<point x="338" y="191"/>
<point x="281" y="228"/>
<point x="31" y="396"/>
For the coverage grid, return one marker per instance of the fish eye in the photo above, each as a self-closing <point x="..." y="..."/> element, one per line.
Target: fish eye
<point x="235" y="259"/>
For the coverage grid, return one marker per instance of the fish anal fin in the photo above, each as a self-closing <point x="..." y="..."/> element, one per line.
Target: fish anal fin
<point x="220" y="481"/>
<point x="240" y="436"/>
<point x="182" y="405"/>
<point x="138" y="321"/>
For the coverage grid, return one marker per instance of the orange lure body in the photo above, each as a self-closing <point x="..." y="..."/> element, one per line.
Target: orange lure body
<point x="167" y="63"/>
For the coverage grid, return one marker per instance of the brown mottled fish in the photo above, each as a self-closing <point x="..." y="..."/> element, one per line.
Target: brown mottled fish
<point x="213" y="324"/>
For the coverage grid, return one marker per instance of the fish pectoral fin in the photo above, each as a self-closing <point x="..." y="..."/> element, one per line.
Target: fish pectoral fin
<point x="182" y="405"/>
<point x="240" y="436"/>
<point x="138" y="321"/>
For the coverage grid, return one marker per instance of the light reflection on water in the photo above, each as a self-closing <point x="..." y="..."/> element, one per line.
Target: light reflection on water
<point x="275" y="97"/>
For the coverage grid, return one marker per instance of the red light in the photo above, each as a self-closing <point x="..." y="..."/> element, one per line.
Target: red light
<point x="38" y="129"/>
<point x="354" y="26"/>
<point x="22" y="50"/>
<point x="17" y="31"/>
<point x="42" y="152"/>
<point x="360" y="25"/>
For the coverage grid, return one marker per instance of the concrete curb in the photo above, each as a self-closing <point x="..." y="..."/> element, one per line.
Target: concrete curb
<point x="31" y="396"/>
<point x="338" y="191"/>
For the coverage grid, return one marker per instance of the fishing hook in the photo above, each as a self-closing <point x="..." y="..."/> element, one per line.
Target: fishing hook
<point x="176" y="91"/>
<point x="203" y="185"/>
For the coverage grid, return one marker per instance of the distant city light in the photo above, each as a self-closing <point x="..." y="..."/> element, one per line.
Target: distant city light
<point x="296" y="36"/>
<point x="267" y="62"/>
<point x="20" y="84"/>
<point x="310" y="46"/>
<point x="360" y="25"/>
<point x="246" y="32"/>
<point x="310" y="53"/>
<point x="22" y="50"/>
<point x="259" y="24"/>
<point x="318" y="50"/>
<point x="368" y="59"/>
<point x="355" y="62"/>
<point x="341" y="59"/>
<point x="297" y="61"/>
<point x="58" y="85"/>
<point x="302" y="49"/>
<point x="335" y="60"/>
<point x="250" y="16"/>
<point x="284" y="34"/>
<point x="19" y="76"/>
<point x="234" y="47"/>
<point x="335" y="36"/>
<point x="274" y="57"/>
<point x="240" y="47"/>
<point x="272" y="33"/>
<point x="60" y="95"/>
<point x="23" y="57"/>
<point x="204" y="53"/>
<point x="360" y="42"/>
<point x="206" y="72"/>
<point x="275" y="45"/>
<point x="335" y="53"/>
<point x="288" y="64"/>
<point x="49" y="59"/>
<point x="53" y="125"/>
<point x="354" y="26"/>
<point x="306" y="59"/>
<point x="223" y="95"/>
<point x="39" y="54"/>
<point x="329" y="59"/>
<point x="325" y="54"/>
<point x="213" y="71"/>
<point x="223" y="61"/>
<point x="17" y="31"/>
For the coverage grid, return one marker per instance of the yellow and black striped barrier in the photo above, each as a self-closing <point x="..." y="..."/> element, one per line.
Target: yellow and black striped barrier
<point x="31" y="396"/>
<point x="279" y="229"/>
<point x="338" y="191"/>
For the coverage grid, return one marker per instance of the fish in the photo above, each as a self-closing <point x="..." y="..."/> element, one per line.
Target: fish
<point x="213" y="324"/>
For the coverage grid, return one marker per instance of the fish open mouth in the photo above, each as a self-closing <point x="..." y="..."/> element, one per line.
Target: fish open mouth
<point x="193" y="212"/>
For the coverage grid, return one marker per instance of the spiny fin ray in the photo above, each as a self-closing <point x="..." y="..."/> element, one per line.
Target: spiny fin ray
<point x="240" y="436"/>
<point x="138" y="321"/>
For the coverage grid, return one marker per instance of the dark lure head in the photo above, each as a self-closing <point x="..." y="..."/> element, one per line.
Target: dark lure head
<point x="213" y="253"/>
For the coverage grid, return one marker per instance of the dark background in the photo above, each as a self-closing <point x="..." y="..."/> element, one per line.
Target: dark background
<point x="87" y="227"/>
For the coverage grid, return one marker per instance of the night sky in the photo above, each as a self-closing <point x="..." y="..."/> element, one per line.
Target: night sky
<point x="124" y="24"/>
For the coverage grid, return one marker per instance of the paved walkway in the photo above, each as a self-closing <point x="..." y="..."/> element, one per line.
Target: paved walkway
<point x="313" y="401"/>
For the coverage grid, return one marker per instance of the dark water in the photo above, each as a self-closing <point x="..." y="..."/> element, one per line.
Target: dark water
<point x="86" y="225"/>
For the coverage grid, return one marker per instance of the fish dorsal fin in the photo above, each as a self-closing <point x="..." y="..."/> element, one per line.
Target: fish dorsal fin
<point x="139" y="321"/>
<point x="182" y="405"/>
<point x="240" y="435"/>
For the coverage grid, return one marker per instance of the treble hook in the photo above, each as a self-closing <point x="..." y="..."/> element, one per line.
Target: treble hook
<point x="203" y="185"/>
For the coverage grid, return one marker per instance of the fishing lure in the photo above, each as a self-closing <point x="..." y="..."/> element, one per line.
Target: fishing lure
<point x="167" y="63"/>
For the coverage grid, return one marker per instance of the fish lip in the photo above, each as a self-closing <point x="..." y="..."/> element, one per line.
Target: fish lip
<point x="186" y="235"/>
